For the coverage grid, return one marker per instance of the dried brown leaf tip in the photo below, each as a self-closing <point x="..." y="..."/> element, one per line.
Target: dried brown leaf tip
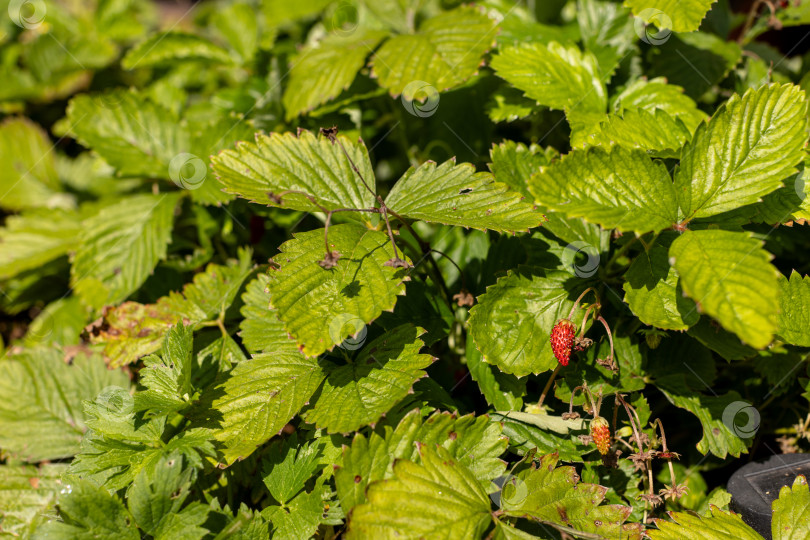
<point x="330" y="133"/>
<point x="463" y="298"/>
<point x="330" y="260"/>
<point x="276" y="199"/>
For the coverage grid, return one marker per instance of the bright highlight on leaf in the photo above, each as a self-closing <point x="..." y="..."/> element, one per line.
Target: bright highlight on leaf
<point x="675" y="15"/>
<point x="730" y="277"/>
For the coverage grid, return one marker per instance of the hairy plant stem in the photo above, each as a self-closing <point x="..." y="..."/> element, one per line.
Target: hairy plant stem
<point x="548" y="386"/>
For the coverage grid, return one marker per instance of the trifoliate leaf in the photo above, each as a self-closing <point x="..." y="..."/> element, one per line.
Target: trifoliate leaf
<point x="28" y="179"/>
<point x="720" y="525"/>
<point x="544" y="492"/>
<point x="89" y="512"/>
<point x="554" y="75"/>
<point x="653" y="294"/>
<point x="299" y="519"/>
<point x="168" y="47"/>
<point x="35" y="238"/>
<point x="277" y="170"/>
<point x="41" y="402"/>
<point x="261" y="330"/>
<point x="360" y="392"/>
<point x="26" y="493"/>
<point x="121" y="246"/>
<point x="445" y="52"/>
<point x="456" y="195"/>
<point x="321" y="307"/>
<point x="730" y="277"/>
<point x="793" y="321"/>
<point x="439" y="499"/>
<point x="748" y="148"/>
<point x="512" y="321"/>
<point x="260" y="396"/>
<point x="617" y="188"/>
<point x="321" y="72"/>
<point x="791" y="512"/>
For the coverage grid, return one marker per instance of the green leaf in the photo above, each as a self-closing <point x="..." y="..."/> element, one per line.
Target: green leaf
<point x="793" y="321"/>
<point x="456" y="195"/>
<point x="168" y="47"/>
<point x="676" y="15"/>
<point x="287" y="467"/>
<point x="439" y="499"/>
<point x="134" y="135"/>
<point x="158" y="493"/>
<point x="167" y="377"/>
<point x="557" y="76"/>
<point x="501" y="390"/>
<point x="513" y="163"/>
<point x="512" y="321"/>
<point x="720" y="341"/>
<point x="445" y="52"/>
<point x="607" y="32"/>
<point x="319" y="307"/>
<point x="28" y="179"/>
<point x="658" y="94"/>
<point x="720" y="525"/>
<point x="321" y="72"/>
<point x="41" y="402"/>
<point x="260" y="396"/>
<point x="120" y="247"/>
<point x="791" y="511"/>
<point x="237" y="22"/>
<point x="660" y="134"/>
<point x="33" y="239"/>
<point x="285" y="166"/>
<point x="360" y="392"/>
<point x="261" y="330"/>
<point x="547" y="493"/>
<point x="730" y="277"/>
<point x="744" y="152"/>
<point x="299" y="519"/>
<point x="26" y="494"/>
<point x="475" y="441"/>
<point x="717" y="415"/>
<point x="89" y="513"/>
<point x="543" y="433"/>
<point x="617" y="188"/>
<point x="653" y="293"/>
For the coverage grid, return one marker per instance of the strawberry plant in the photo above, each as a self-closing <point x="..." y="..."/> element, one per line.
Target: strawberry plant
<point x="412" y="269"/>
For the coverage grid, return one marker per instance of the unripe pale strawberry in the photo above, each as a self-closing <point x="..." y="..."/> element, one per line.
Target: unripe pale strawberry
<point x="600" y="432"/>
<point x="562" y="339"/>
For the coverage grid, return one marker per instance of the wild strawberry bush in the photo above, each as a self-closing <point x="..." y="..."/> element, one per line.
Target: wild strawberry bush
<point x="413" y="269"/>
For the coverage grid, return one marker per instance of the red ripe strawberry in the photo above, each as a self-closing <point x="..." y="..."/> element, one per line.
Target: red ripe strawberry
<point x="562" y="339"/>
<point x="600" y="432"/>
